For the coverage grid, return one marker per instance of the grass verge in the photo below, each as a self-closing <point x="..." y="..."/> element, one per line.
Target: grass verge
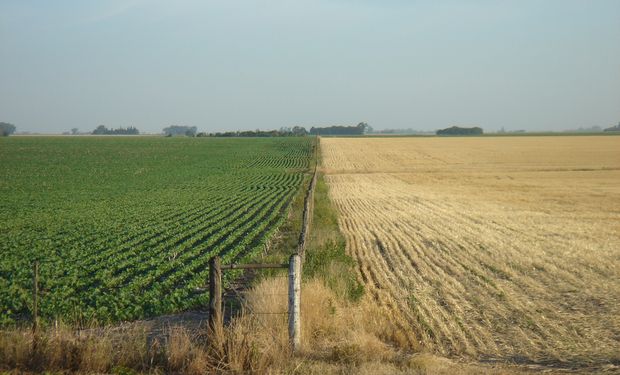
<point x="326" y="257"/>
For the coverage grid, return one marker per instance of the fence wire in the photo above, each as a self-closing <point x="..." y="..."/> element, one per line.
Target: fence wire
<point x="246" y="308"/>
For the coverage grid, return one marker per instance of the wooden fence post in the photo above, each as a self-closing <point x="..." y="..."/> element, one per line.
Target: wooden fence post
<point x="215" y="294"/>
<point x="294" y="302"/>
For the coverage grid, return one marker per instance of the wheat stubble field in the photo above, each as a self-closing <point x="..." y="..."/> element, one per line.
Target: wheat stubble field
<point x="494" y="249"/>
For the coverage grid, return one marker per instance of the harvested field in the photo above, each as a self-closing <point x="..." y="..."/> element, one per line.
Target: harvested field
<point x="493" y="249"/>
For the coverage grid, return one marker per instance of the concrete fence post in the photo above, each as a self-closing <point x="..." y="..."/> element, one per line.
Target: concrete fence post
<point x="294" y="302"/>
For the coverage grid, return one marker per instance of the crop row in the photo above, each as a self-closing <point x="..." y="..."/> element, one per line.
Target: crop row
<point x="131" y="238"/>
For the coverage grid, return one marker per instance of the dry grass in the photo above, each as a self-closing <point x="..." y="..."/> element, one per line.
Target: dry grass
<point x="237" y="349"/>
<point x="339" y="337"/>
<point x="495" y="249"/>
<point x="64" y="349"/>
<point x="343" y="337"/>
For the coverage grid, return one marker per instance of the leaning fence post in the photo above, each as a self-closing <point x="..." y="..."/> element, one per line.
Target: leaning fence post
<point x="215" y="294"/>
<point x="294" y="299"/>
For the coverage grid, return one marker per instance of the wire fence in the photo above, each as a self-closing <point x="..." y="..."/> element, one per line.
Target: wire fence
<point x="265" y="307"/>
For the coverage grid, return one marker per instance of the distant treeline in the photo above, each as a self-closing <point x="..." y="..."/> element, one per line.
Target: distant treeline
<point x="456" y="130"/>
<point x="296" y="131"/>
<point x="102" y="130"/>
<point x="403" y="131"/>
<point x="359" y="129"/>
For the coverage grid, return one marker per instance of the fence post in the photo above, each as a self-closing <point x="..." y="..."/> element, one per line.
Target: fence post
<point x="215" y="294"/>
<point x="294" y="302"/>
<point x="35" y="296"/>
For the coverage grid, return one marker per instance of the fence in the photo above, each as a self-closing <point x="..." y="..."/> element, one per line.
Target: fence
<point x="294" y="294"/>
<point x="294" y="272"/>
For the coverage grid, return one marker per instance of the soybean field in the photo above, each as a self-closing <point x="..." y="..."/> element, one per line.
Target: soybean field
<point x="124" y="227"/>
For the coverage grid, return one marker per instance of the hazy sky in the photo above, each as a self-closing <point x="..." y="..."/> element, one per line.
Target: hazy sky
<point x="223" y="65"/>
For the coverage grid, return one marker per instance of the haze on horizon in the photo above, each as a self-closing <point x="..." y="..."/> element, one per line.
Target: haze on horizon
<point x="232" y="65"/>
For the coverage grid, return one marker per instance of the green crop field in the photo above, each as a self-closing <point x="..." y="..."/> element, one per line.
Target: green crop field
<point x="124" y="227"/>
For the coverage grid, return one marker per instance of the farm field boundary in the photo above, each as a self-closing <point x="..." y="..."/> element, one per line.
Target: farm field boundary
<point x="279" y="250"/>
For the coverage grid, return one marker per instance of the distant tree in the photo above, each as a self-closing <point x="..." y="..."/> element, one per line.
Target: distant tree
<point x="365" y="128"/>
<point x="74" y="131"/>
<point x="455" y="130"/>
<point x="6" y="129"/>
<point x="613" y="128"/>
<point x="102" y="130"/>
<point x="299" y="131"/>
<point x="132" y="130"/>
<point x="180" y="130"/>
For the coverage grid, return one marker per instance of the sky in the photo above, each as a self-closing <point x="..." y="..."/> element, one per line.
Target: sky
<point x="263" y="64"/>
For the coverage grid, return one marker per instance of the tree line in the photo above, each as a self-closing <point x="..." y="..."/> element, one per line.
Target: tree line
<point x="456" y="130"/>
<point x="362" y="128"/>
<point x="295" y="131"/>
<point x="102" y="130"/>
<point x="359" y="129"/>
<point x="191" y="131"/>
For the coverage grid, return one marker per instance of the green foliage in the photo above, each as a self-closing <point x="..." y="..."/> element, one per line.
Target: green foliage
<point x="124" y="227"/>
<point x="331" y="263"/>
<point x="120" y="370"/>
<point x="326" y="257"/>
